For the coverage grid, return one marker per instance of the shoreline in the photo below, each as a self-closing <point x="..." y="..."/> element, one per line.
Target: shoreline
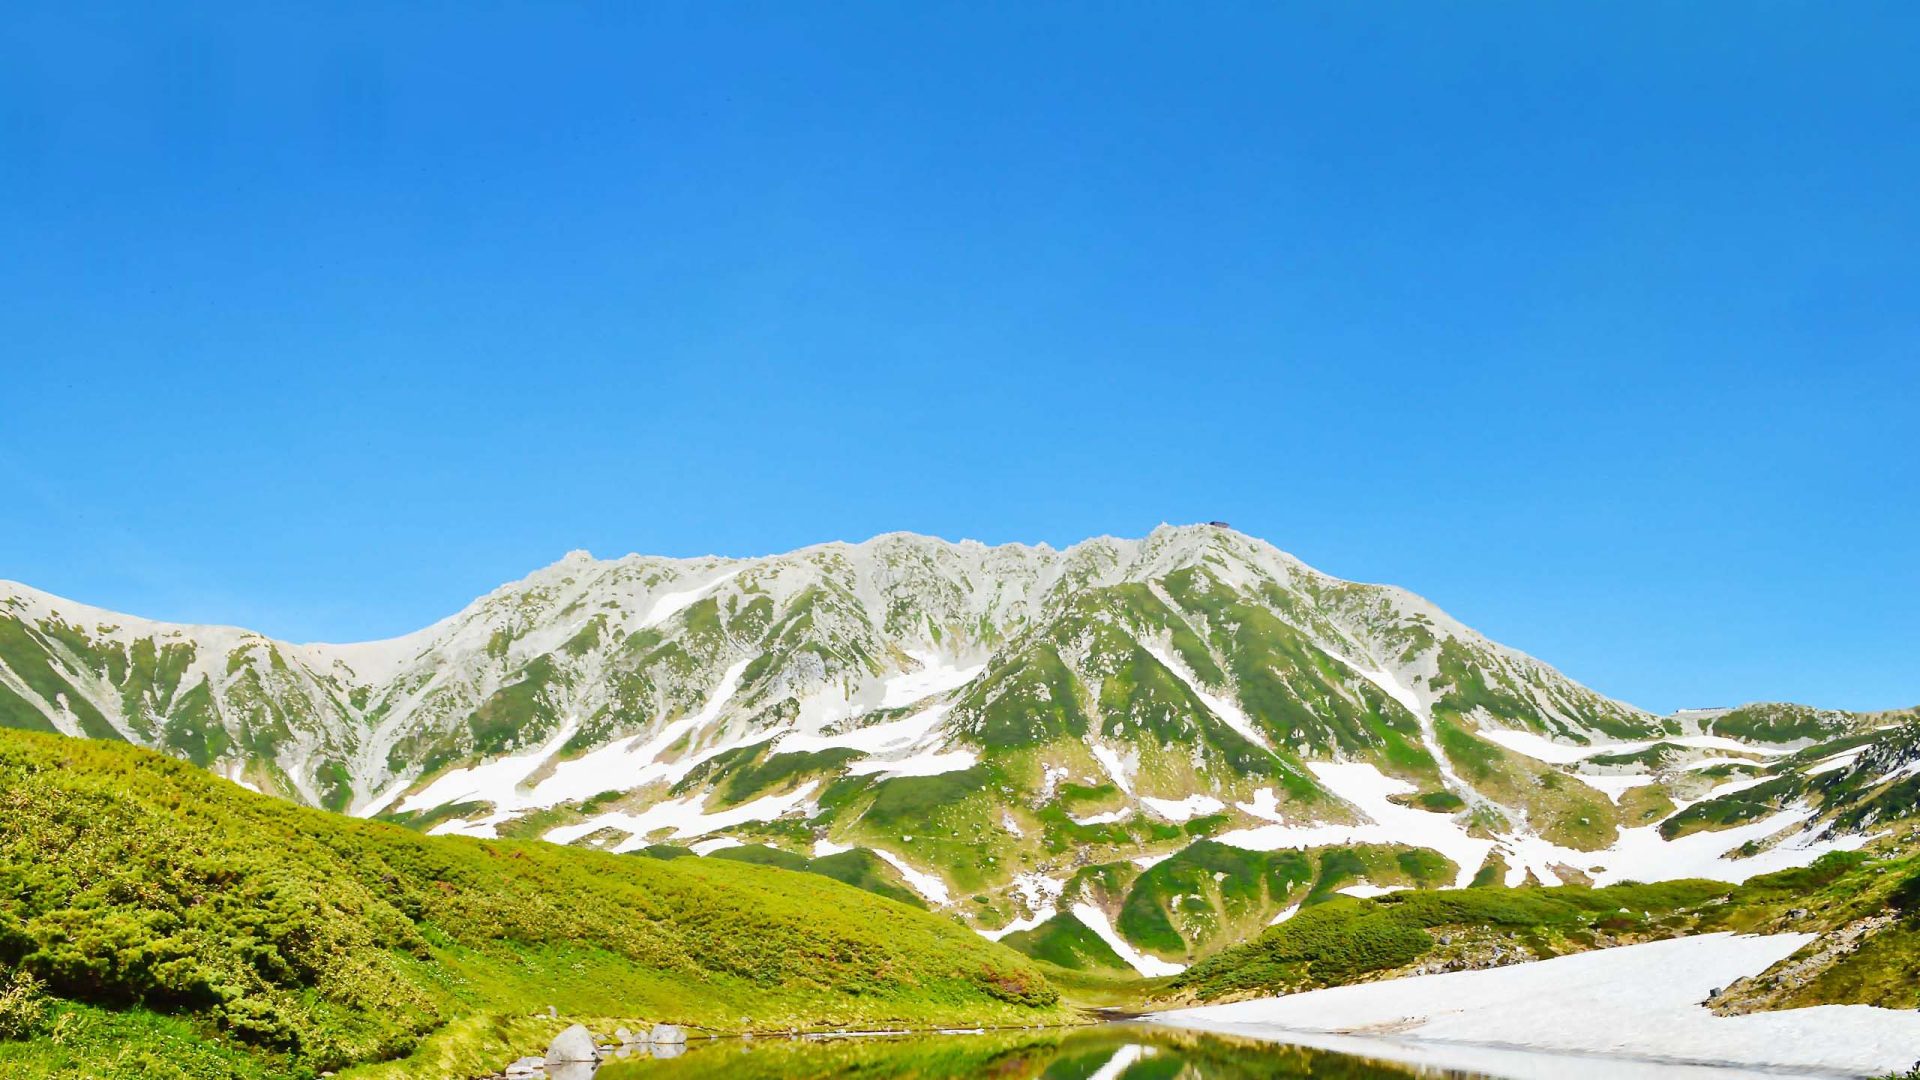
<point x="1511" y="1061"/>
<point x="1627" y="1012"/>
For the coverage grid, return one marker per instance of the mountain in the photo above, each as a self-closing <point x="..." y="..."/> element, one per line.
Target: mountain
<point x="1164" y="742"/>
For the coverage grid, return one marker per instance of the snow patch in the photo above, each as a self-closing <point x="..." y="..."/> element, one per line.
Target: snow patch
<point x="1541" y="749"/>
<point x="1613" y="786"/>
<point x="1636" y="1001"/>
<point x="1368" y="790"/>
<point x="673" y="603"/>
<point x="1227" y="710"/>
<point x="1096" y="920"/>
<point x="927" y="885"/>
<point x="1184" y="809"/>
<point x="1836" y="762"/>
<point x="917" y="765"/>
<point x="936" y="675"/>
<point x="1119" y="768"/>
<point x="682" y="819"/>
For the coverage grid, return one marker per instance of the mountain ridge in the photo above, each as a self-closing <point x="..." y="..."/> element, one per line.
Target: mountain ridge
<point x="1019" y="732"/>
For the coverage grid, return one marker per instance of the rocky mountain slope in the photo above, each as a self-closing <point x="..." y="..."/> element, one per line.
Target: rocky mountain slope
<point x="1165" y="743"/>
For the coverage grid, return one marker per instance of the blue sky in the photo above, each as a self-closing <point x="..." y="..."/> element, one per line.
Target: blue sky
<point x="1595" y="323"/>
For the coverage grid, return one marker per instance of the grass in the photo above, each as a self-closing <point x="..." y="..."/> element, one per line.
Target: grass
<point x="1065" y="942"/>
<point x="859" y="868"/>
<point x="1345" y="938"/>
<point x="1780" y="723"/>
<point x="1841" y="891"/>
<point x="161" y="905"/>
<point x="1189" y="898"/>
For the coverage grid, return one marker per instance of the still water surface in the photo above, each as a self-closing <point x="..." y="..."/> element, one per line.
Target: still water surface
<point x="1108" y="1052"/>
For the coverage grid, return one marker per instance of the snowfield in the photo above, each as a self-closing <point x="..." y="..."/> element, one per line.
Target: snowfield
<point x="1632" y="1006"/>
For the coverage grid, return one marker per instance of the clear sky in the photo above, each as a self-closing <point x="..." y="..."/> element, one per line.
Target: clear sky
<point x="1595" y="323"/>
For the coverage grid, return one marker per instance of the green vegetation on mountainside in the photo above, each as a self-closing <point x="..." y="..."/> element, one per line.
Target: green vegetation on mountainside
<point x="1348" y="938"/>
<point x="859" y="868"/>
<point x="1066" y="942"/>
<point x="1777" y="722"/>
<point x="175" y="917"/>
<point x="1866" y="910"/>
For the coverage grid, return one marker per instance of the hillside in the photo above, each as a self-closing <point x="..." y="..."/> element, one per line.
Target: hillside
<point x="1863" y="913"/>
<point x="180" y="926"/>
<point x="1156" y="744"/>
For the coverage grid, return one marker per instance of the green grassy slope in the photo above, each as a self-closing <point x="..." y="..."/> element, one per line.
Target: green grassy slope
<point x="164" y="907"/>
<point x="860" y="868"/>
<point x="1866" y="910"/>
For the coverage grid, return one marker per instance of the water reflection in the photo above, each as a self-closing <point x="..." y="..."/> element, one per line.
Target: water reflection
<point x="1110" y="1052"/>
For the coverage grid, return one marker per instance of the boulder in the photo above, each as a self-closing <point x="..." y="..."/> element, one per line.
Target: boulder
<point x="527" y="1066"/>
<point x="573" y="1044"/>
<point x="668" y="1034"/>
<point x="622" y="1036"/>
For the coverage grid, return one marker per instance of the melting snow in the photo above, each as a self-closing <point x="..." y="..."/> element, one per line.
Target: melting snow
<point x="1541" y="749"/>
<point x="1637" y="1001"/>
<point x="1367" y="788"/>
<point x="671" y="604"/>
<point x="1644" y="855"/>
<point x="927" y="885"/>
<point x="918" y="765"/>
<point x="1119" y="768"/>
<point x="893" y="735"/>
<point x="1041" y="894"/>
<point x="1640" y="854"/>
<point x="1837" y="762"/>
<point x="1184" y="809"/>
<point x="1150" y="966"/>
<point x="682" y="819"/>
<point x="619" y="766"/>
<point x="1613" y="786"/>
<point x="491" y="782"/>
<point x="936" y="675"/>
<point x="1226" y="709"/>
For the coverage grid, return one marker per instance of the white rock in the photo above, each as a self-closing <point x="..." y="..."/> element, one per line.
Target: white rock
<point x="573" y="1044"/>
